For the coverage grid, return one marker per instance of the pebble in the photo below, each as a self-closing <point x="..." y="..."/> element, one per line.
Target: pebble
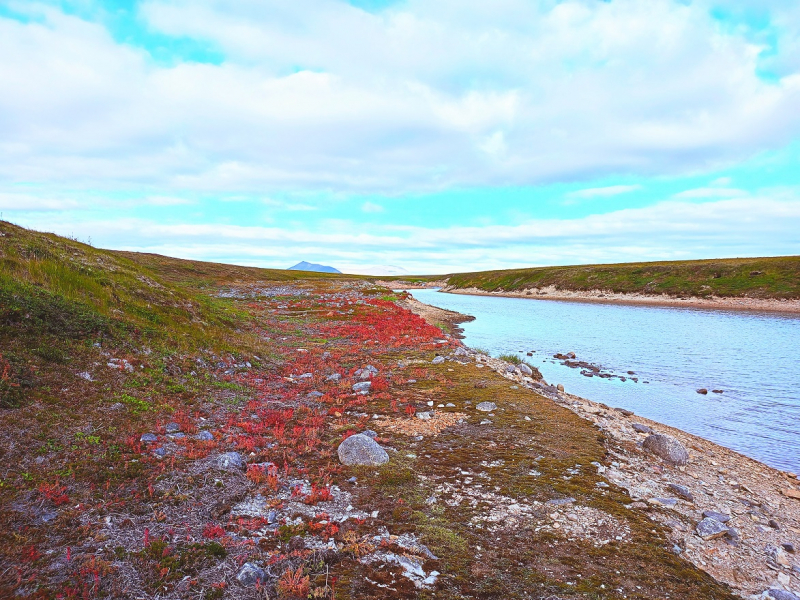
<point x="789" y="548"/>
<point x="204" y="436"/>
<point x="681" y="491"/>
<point x="148" y="437"/>
<point x="641" y="428"/>
<point x="486" y="422"/>
<point x="334" y="377"/>
<point x="625" y="412"/>
<point x="251" y="574"/>
<point x="664" y="501"/>
<point x="360" y="449"/>
<point x="438" y="360"/>
<point x="160" y="452"/>
<point x="670" y="449"/>
<point x="560" y="501"/>
<point x="710" y="529"/>
<point x="425" y="416"/>
<point x="172" y="428"/>
<point x="486" y="406"/>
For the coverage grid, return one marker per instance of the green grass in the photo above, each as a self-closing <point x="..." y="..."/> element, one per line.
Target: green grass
<point x="774" y="277"/>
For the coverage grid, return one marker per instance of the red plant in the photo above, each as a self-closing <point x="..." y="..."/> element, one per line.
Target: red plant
<point x="213" y="531"/>
<point x="317" y="494"/>
<point x="54" y="493"/>
<point x="293" y="584"/>
<point x="410" y="409"/>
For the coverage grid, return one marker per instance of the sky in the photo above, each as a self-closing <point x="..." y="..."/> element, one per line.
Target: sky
<point x="432" y="136"/>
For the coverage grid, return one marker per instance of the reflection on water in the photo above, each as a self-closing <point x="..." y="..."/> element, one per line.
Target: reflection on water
<point x="752" y="357"/>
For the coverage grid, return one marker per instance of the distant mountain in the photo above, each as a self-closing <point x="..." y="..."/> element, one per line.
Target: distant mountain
<point x="307" y="266"/>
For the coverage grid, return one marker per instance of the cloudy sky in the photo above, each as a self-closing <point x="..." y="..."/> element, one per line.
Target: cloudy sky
<point x="432" y="135"/>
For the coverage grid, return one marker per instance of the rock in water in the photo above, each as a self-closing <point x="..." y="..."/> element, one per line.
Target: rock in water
<point x="360" y="449"/>
<point x="703" y="391"/>
<point x="230" y="461"/>
<point x="709" y="529"/>
<point x="670" y="449"/>
<point x="251" y="574"/>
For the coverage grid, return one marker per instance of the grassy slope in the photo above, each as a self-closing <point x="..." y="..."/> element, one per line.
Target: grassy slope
<point x="78" y="492"/>
<point x="774" y="277"/>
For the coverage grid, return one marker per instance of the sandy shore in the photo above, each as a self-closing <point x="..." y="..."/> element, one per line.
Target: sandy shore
<point x="714" y="302"/>
<point x="758" y="549"/>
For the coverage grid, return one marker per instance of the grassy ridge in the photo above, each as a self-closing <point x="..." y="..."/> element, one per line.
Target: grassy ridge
<point x="777" y="277"/>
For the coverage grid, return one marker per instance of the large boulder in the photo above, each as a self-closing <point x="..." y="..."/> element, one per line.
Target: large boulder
<point x="775" y="594"/>
<point x="360" y="449"/>
<point x="668" y="448"/>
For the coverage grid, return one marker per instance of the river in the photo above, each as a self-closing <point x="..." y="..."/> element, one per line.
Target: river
<point x="672" y="352"/>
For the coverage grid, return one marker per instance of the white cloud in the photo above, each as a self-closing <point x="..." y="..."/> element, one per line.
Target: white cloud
<point x="317" y="94"/>
<point x="711" y="192"/>
<point x="604" y="192"/>
<point x="759" y="225"/>
<point x="371" y="207"/>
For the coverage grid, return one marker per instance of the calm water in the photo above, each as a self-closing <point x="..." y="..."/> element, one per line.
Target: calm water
<point x="751" y="356"/>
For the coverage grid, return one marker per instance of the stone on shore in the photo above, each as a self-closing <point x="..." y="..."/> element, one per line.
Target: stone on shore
<point x="710" y="529"/>
<point x="670" y="449"/>
<point x="681" y="491"/>
<point x="525" y="370"/>
<point x="641" y="428"/>
<point x="775" y="594"/>
<point x="360" y="449"/>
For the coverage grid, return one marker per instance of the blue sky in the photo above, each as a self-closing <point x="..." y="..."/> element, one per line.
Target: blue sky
<point x="429" y="135"/>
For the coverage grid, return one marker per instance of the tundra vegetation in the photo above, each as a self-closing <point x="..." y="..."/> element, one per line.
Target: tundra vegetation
<point x="170" y="430"/>
<point x="764" y="278"/>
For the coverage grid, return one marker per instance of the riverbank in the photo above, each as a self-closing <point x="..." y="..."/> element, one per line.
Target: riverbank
<point x="603" y="296"/>
<point x="757" y="508"/>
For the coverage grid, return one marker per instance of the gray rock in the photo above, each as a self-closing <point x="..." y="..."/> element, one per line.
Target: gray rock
<point x="775" y="594"/>
<point x="360" y="449"/>
<point x="560" y="501"/>
<point x="486" y="422"/>
<point x="665" y="501"/>
<point x="789" y="547"/>
<point x="425" y="416"/>
<point x="315" y="394"/>
<point x="230" y="461"/>
<point x="525" y="370"/>
<point x="362" y="386"/>
<point x="148" y="437"/>
<point x="172" y="428"/>
<point x="251" y="574"/>
<point x="668" y="448"/>
<point x="160" y="452"/>
<point x="641" y="428"/>
<point x="371" y="369"/>
<point x="306" y="376"/>
<point x="721" y="517"/>
<point x="176" y="436"/>
<point x="626" y="412"/>
<point x="461" y="351"/>
<point x="438" y="360"/>
<point x="486" y="406"/>
<point x="511" y="368"/>
<point x="369" y="433"/>
<point x="204" y="436"/>
<point x="326" y="355"/>
<point x="334" y="377"/>
<point x="710" y="529"/>
<point x="681" y="491"/>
